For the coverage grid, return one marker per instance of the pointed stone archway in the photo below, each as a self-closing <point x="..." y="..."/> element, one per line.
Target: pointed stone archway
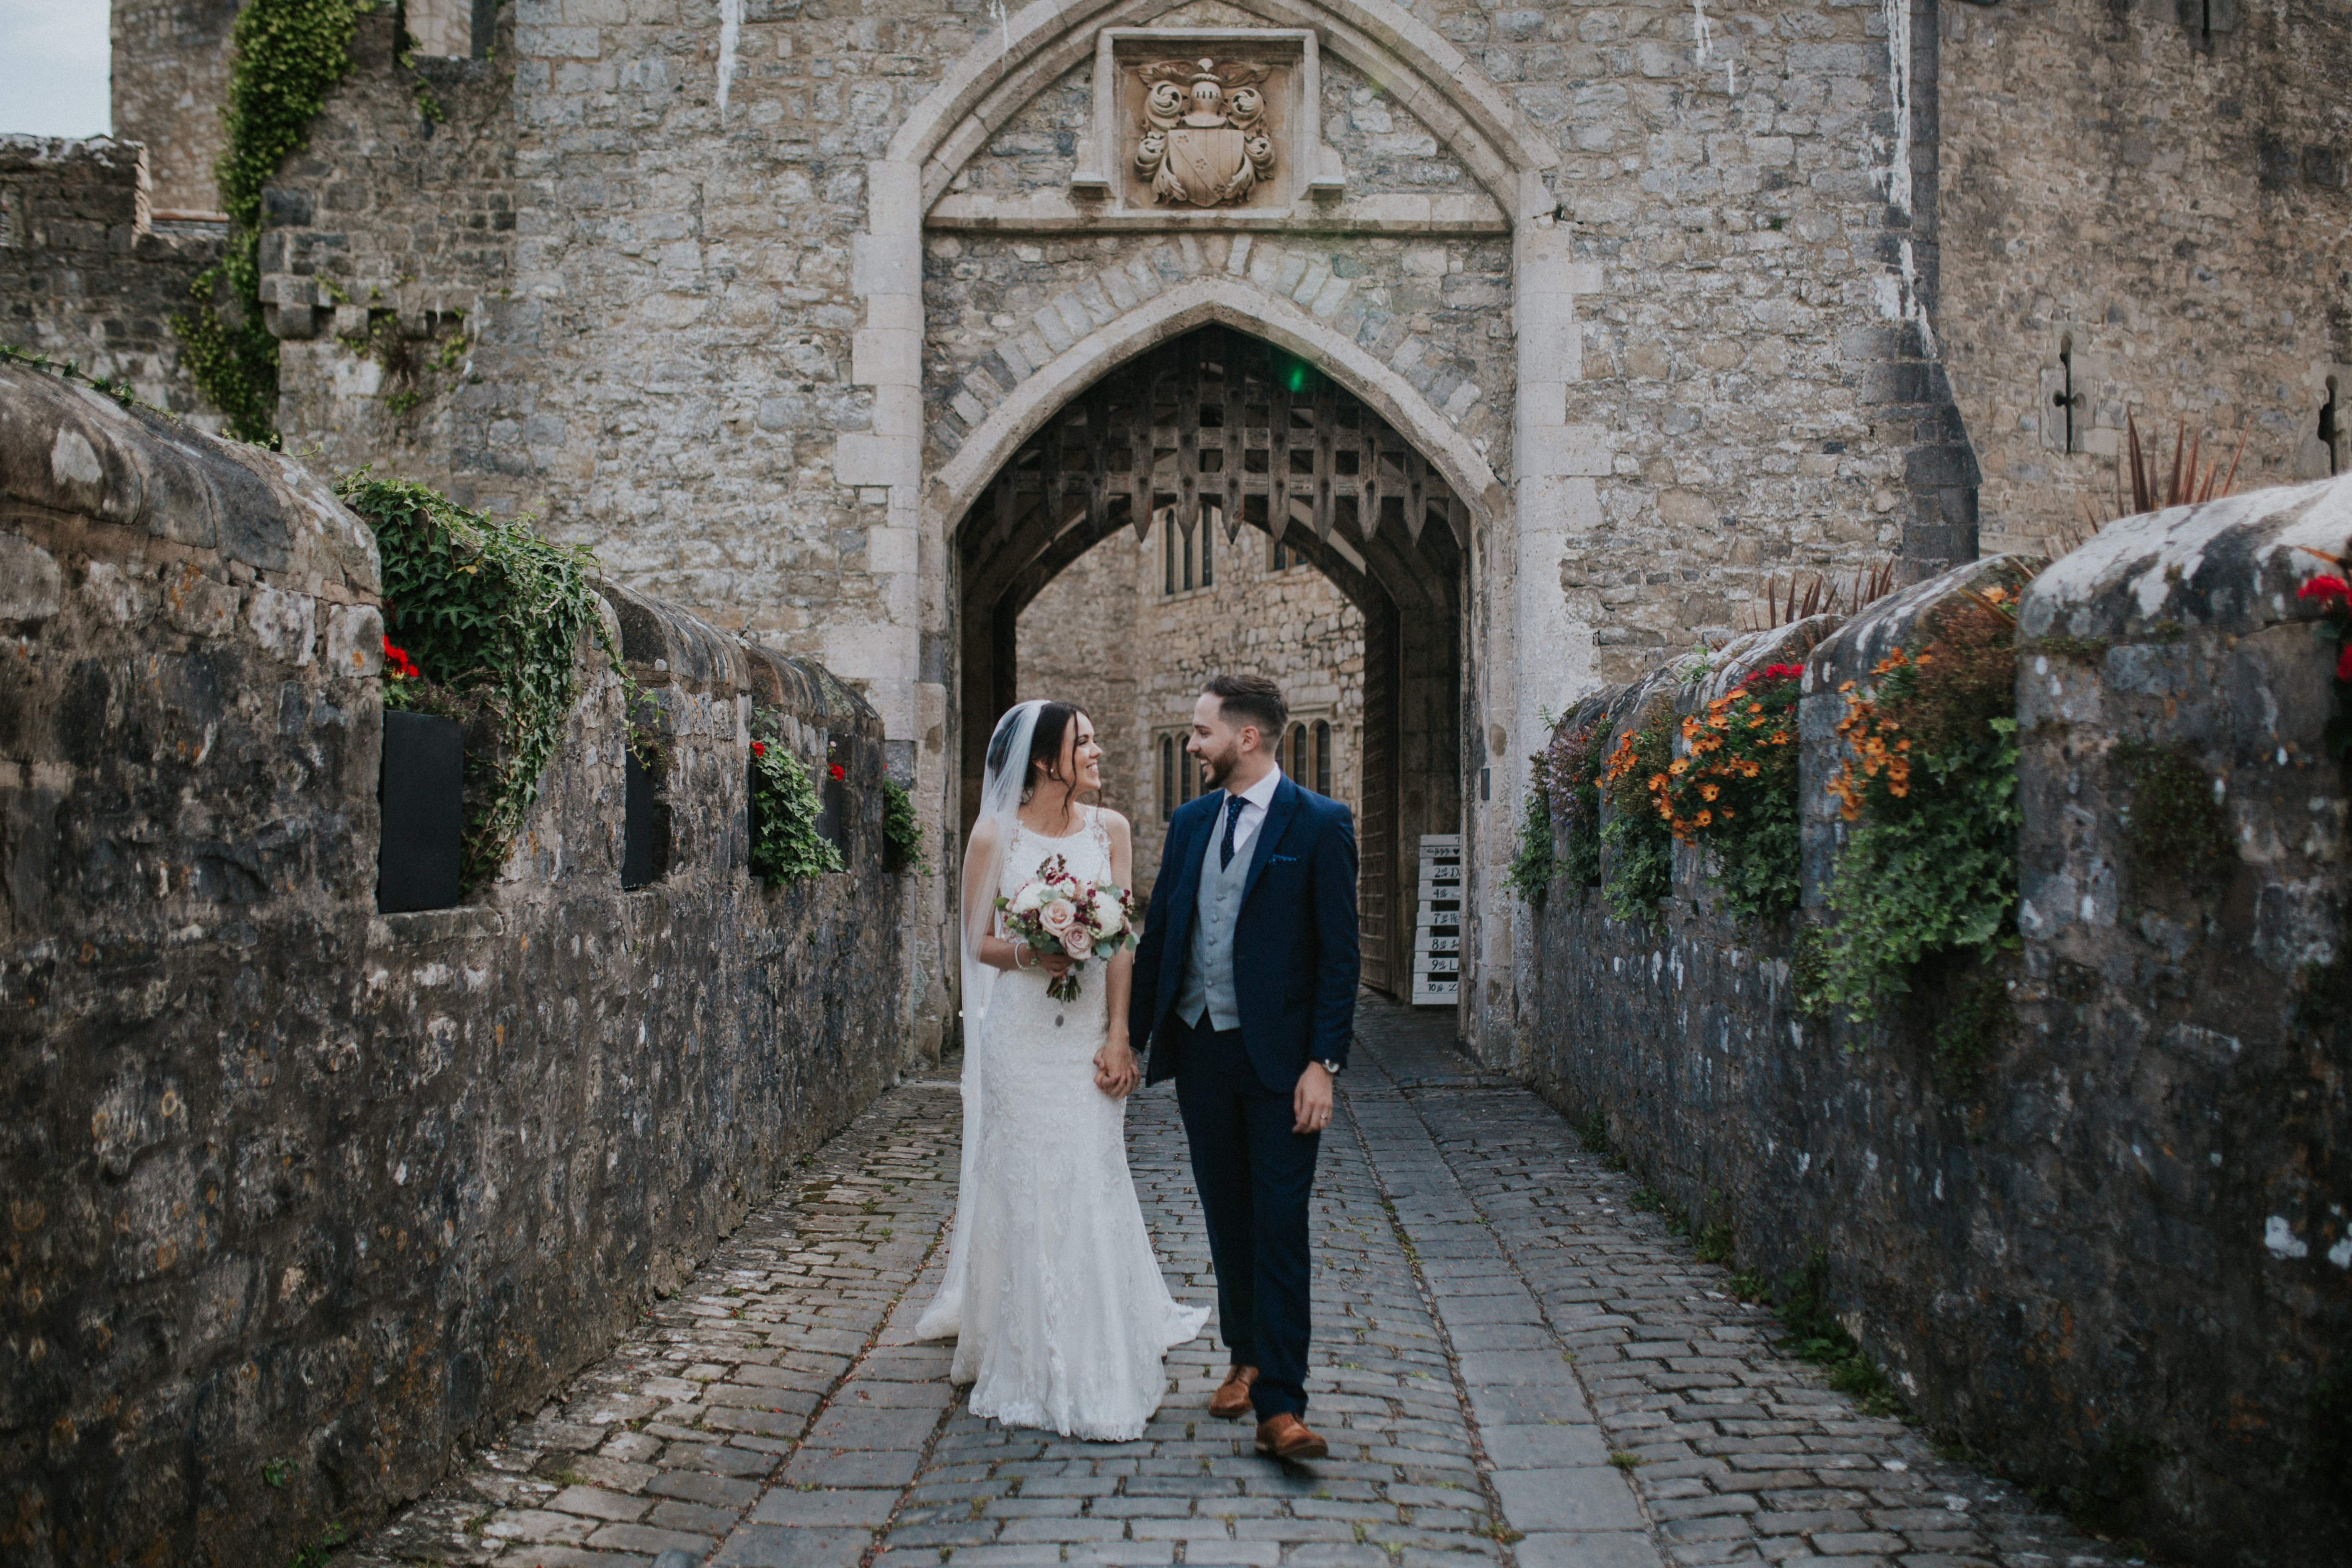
<point x="1218" y="428"/>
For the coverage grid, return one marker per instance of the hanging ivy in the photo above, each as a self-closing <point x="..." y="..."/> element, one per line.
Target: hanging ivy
<point x="1573" y="766"/>
<point x="1930" y="784"/>
<point x="901" y="828"/>
<point x="289" y="54"/>
<point x="785" y="844"/>
<point x="489" y="617"/>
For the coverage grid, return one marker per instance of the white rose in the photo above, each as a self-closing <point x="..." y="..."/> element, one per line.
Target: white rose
<point x="1027" y="900"/>
<point x="1107" y="913"/>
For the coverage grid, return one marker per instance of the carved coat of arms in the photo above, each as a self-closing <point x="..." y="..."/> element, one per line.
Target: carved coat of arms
<point x="1203" y="138"/>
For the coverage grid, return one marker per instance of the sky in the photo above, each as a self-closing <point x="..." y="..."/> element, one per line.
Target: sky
<point x="55" y="51"/>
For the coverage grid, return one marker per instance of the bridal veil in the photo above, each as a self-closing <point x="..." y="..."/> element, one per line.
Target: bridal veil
<point x="983" y="865"/>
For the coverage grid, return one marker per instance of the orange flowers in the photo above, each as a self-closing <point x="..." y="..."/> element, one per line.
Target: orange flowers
<point x="1725" y="747"/>
<point x="1876" y="746"/>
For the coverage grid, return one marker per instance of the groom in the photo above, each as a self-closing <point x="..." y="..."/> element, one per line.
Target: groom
<point x="1245" y="993"/>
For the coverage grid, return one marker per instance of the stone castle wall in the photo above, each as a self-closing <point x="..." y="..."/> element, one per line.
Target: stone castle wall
<point x="1106" y="635"/>
<point x="2115" y="1258"/>
<point x="305" y="1198"/>
<point x="85" y="276"/>
<point x="168" y="86"/>
<point x="2149" y="197"/>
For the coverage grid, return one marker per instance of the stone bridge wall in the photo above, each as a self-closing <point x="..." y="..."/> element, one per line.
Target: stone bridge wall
<point x="303" y="1198"/>
<point x="2121" y="1260"/>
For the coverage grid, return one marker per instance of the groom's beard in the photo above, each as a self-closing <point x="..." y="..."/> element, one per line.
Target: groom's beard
<point x="1216" y="770"/>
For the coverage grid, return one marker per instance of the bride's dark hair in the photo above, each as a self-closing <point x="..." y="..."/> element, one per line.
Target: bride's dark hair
<point x="1046" y="744"/>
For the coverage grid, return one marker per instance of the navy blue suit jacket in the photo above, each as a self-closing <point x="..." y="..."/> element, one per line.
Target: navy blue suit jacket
<point x="1295" y="960"/>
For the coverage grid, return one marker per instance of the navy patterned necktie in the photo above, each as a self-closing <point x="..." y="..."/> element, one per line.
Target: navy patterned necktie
<point x="1234" y="804"/>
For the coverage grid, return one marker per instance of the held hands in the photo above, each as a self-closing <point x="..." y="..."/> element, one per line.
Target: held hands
<point x="1053" y="963"/>
<point x="1310" y="1102"/>
<point x="1115" y="1073"/>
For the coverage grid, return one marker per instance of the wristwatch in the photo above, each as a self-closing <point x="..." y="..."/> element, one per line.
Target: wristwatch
<point x="1330" y="1066"/>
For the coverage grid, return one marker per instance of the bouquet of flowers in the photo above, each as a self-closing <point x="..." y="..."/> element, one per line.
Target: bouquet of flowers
<point x="1055" y="912"/>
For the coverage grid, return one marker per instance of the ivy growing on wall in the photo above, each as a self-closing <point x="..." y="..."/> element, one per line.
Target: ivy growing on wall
<point x="289" y="54"/>
<point x="902" y="829"/>
<point x="1571" y="776"/>
<point x="1931" y="787"/>
<point x="491" y="615"/>
<point x="785" y="844"/>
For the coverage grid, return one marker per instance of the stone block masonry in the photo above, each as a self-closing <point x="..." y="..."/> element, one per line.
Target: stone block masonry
<point x="2114" y="1257"/>
<point x="1513" y="1363"/>
<point x="305" y="1199"/>
<point x="85" y="275"/>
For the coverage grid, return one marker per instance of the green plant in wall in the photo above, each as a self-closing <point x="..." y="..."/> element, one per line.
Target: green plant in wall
<point x="490" y="616"/>
<point x="1639" y="836"/>
<point x="1930" y="784"/>
<point x="785" y="844"/>
<point x="1816" y="1335"/>
<point x="1572" y="774"/>
<point x="289" y="54"/>
<point x="902" y="830"/>
<point x="1735" y="790"/>
<point x="1533" y="864"/>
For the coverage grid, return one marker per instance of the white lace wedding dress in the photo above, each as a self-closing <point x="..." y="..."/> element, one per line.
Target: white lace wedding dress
<point x="1065" y="1317"/>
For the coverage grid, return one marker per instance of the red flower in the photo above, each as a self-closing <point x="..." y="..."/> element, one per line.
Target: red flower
<point x="1781" y="672"/>
<point x="759" y="749"/>
<point x="2344" y="666"/>
<point x="402" y="668"/>
<point x="2323" y="588"/>
<point x="839" y="772"/>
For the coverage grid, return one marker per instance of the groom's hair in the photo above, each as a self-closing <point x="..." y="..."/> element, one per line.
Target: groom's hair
<point x="1251" y="700"/>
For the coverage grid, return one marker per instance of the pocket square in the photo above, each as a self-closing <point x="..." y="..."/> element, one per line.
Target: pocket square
<point x="1290" y="859"/>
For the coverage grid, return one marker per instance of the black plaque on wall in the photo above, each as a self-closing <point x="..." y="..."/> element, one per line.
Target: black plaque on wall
<point x="423" y="798"/>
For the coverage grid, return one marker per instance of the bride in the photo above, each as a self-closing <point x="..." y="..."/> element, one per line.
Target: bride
<point x="1053" y="1292"/>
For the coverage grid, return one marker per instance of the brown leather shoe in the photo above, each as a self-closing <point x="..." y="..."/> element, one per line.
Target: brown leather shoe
<point x="1287" y="1437"/>
<point x="1231" y="1401"/>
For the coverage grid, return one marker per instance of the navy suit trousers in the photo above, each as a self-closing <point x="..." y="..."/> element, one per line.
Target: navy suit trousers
<point x="1256" y="1176"/>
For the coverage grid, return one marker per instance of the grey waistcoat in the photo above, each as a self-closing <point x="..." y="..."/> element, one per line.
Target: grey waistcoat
<point x="1209" y="959"/>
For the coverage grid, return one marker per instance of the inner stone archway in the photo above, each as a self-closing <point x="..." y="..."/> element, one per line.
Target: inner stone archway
<point x="1218" y="429"/>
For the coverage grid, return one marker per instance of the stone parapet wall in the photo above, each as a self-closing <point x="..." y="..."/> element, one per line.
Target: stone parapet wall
<point x="2117" y="1261"/>
<point x="304" y="1198"/>
<point x="85" y="276"/>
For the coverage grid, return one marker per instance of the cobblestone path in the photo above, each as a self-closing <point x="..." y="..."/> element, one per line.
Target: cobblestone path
<point x="1513" y="1363"/>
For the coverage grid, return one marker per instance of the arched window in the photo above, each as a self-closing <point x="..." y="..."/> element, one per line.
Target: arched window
<point x="1166" y="777"/>
<point x="1294" y="753"/>
<point x="1322" y="757"/>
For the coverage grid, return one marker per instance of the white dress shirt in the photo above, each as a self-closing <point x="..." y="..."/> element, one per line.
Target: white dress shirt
<point x="1256" y="800"/>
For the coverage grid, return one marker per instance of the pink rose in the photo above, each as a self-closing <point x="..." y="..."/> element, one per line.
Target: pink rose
<point x="1077" y="942"/>
<point x="1057" y="917"/>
